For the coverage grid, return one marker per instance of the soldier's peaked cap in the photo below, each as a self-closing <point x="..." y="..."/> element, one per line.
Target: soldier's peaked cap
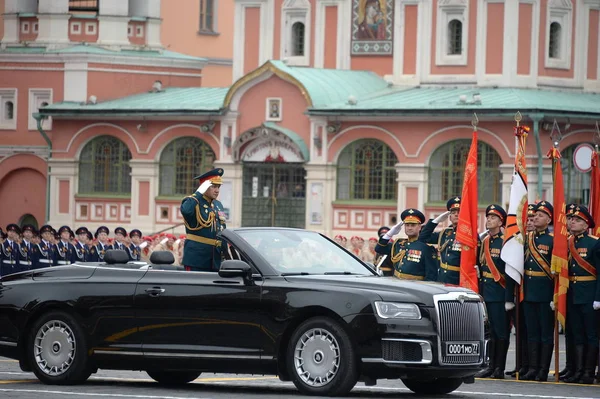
<point x="412" y="215"/>
<point x="582" y="212"/>
<point x="214" y="176"/>
<point x="546" y="207"/>
<point x="497" y="210"/>
<point x="453" y="203"/>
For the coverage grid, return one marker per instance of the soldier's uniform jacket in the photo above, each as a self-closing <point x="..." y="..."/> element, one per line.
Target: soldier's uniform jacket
<point x="82" y="252"/>
<point x="538" y="283"/>
<point x="134" y="252"/>
<point x="492" y="269"/>
<point x="204" y="220"/>
<point x="44" y="255"/>
<point x="448" y="249"/>
<point x="26" y="255"/>
<point x="97" y="252"/>
<point x="65" y="254"/>
<point x="584" y="262"/>
<point x="412" y="259"/>
<point x="118" y="245"/>
<point x="9" y="258"/>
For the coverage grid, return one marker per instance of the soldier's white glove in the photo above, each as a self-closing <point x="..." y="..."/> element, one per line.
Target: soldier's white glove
<point x="508" y="306"/>
<point x="596" y="305"/>
<point x="393" y="231"/>
<point x="438" y="219"/>
<point x="144" y="244"/>
<point x="164" y="241"/>
<point x="204" y="186"/>
<point x="552" y="306"/>
<point x="477" y="270"/>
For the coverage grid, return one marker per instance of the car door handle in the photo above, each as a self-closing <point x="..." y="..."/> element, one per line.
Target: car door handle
<point x="155" y="291"/>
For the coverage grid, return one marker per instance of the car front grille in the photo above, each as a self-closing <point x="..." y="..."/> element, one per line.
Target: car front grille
<point x="401" y="351"/>
<point x="460" y="321"/>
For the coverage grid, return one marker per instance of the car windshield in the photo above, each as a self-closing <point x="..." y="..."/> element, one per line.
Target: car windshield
<point x="297" y="252"/>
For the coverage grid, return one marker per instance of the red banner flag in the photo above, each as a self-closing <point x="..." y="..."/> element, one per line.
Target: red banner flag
<point x="466" y="233"/>
<point x="594" y="205"/>
<point x="560" y="254"/>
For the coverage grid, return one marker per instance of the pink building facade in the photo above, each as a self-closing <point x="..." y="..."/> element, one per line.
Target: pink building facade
<point x="340" y="116"/>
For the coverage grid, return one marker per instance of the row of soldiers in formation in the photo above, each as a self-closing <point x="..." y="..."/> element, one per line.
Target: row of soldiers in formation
<point x="25" y="248"/>
<point x="416" y="258"/>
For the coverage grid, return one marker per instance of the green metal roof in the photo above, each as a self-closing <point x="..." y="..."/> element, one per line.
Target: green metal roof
<point x="295" y="137"/>
<point x="448" y="99"/>
<point x="173" y="100"/>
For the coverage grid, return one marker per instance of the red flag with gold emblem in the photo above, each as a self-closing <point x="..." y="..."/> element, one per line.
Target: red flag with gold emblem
<point x="560" y="254"/>
<point x="466" y="232"/>
<point x="594" y="205"/>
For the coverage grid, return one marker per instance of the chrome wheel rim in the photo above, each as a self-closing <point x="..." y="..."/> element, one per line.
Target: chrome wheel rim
<point x="54" y="348"/>
<point x="317" y="357"/>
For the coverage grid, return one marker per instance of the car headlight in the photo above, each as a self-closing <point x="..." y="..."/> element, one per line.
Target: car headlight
<point x="396" y="310"/>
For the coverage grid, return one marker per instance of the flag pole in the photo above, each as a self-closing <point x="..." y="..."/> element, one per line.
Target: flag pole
<point x="518" y="355"/>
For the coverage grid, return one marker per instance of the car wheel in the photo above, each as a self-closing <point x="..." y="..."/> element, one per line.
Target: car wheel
<point x="173" y="377"/>
<point x="58" y="351"/>
<point x="437" y="386"/>
<point x="320" y="358"/>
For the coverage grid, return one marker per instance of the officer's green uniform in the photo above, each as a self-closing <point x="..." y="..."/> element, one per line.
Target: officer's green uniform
<point x="538" y="290"/>
<point x="584" y="289"/>
<point x="412" y="259"/>
<point x="204" y="220"/>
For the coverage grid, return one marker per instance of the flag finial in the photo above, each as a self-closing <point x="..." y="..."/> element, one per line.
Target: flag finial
<point x="474" y="121"/>
<point x="518" y="117"/>
<point x="555" y="134"/>
<point x="597" y="136"/>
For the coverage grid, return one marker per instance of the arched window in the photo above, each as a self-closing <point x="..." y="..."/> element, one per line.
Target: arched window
<point x="447" y="169"/>
<point x="104" y="167"/>
<point x="9" y="111"/>
<point x="554" y="42"/>
<point x="298" y="39"/>
<point x="180" y="161"/>
<point x="577" y="184"/>
<point x="455" y="37"/>
<point x="366" y="171"/>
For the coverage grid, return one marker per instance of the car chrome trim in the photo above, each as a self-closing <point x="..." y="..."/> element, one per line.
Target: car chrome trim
<point x="7" y="343"/>
<point x="205" y="356"/>
<point x="426" y="353"/>
<point x="460" y="297"/>
<point x="122" y="353"/>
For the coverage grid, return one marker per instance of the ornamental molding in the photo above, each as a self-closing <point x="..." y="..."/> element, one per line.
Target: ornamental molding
<point x="564" y="4"/>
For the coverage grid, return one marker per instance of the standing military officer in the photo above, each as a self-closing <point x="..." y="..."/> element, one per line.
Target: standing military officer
<point x="538" y="289"/>
<point x="448" y="248"/>
<point x="134" y="249"/>
<point x="584" y="290"/>
<point x="493" y="290"/>
<point x="82" y="250"/>
<point x="45" y="251"/>
<point x="412" y="259"/>
<point x="120" y="234"/>
<point x="97" y="251"/>
<point x="10" y="251"/>
<point x="25" y="248"/>
<point x="65" y="251"/>
<point x="204" y="219"/>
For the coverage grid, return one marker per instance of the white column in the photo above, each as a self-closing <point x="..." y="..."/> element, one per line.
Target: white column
<point x="411" y="176"/>
<point x="143" y="171"/>
<point x="144" y="8"/>
<point x="75" y="81"/>
<point x="11" y="29"/>
<point x="61" y="170"/>
<point x="153" y="33"/>
<point x="319" y="214"/>
<point x="113" y="19"/>
<point x="20" y="6"/>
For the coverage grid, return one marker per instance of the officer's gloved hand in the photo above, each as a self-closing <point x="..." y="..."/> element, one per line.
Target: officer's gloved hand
<point x="596" y="305"/>
<point x="393" y="231"/>
<point x="508" y="306"/>
<point x="204" y="186"/>
<point x="477" y="270"/>
<point x="552" y="306"/>
<point x="438" y="219"/>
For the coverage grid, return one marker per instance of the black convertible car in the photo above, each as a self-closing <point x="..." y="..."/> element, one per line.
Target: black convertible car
<point x="286" y="302"/>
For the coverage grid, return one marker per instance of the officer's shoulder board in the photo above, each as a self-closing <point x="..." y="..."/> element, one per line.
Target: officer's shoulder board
<point x="591" y="236"/>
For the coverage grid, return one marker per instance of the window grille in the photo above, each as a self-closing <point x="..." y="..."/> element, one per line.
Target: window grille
<point x="554" y="42"/>
<point x="447" y="169"/>
<point x="577" y="184"/>
<point x="298" y="39"/>
<point x="9" y="111"/>
<point x="455" y="37"/>
<point x="366" y="171"/>
<point x="207" y="15"/>
<point x="84" y="5"/>
<point x="104" y="167"/>
<point x="180" y="161"/>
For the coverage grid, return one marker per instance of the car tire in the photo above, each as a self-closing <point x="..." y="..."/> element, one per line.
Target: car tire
<point x="320" y="358"/>
<point x="57" y="350"/>
<point x="437" y="386"/>
<point x="173" y="377"/>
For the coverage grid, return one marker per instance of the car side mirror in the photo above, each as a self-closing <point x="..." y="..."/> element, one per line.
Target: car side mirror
<point x="235" y="268"/>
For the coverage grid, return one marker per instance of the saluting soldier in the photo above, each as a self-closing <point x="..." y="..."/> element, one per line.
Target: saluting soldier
<point x="97" y="251"/>
<point x="204" y="219"/>
<point x="134" y="249"/>
<point x="45" y="251"/>
<point x="65" y="251"/>
<point x="10" y="251"/>
<point x="25" y="248"/>
<point x="538" y="290"/>
<point x="493" y="289"/>
<point x="82" y="251"/>
<point x="584" y="290"/>
<point x="120" y="234"/>
<point x="449" y="249"/>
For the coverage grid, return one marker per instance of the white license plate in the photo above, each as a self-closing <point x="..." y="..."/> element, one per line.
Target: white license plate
<point x="462" y="348"/>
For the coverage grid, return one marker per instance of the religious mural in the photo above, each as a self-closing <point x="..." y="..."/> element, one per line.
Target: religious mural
<point x="372" y="24"/>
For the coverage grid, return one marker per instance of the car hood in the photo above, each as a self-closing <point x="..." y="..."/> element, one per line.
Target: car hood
<point x="388" y="288"/>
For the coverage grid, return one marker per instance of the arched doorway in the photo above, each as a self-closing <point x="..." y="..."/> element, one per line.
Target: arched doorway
<point x="28" y="219"/>
<point x="274" y="182"/>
